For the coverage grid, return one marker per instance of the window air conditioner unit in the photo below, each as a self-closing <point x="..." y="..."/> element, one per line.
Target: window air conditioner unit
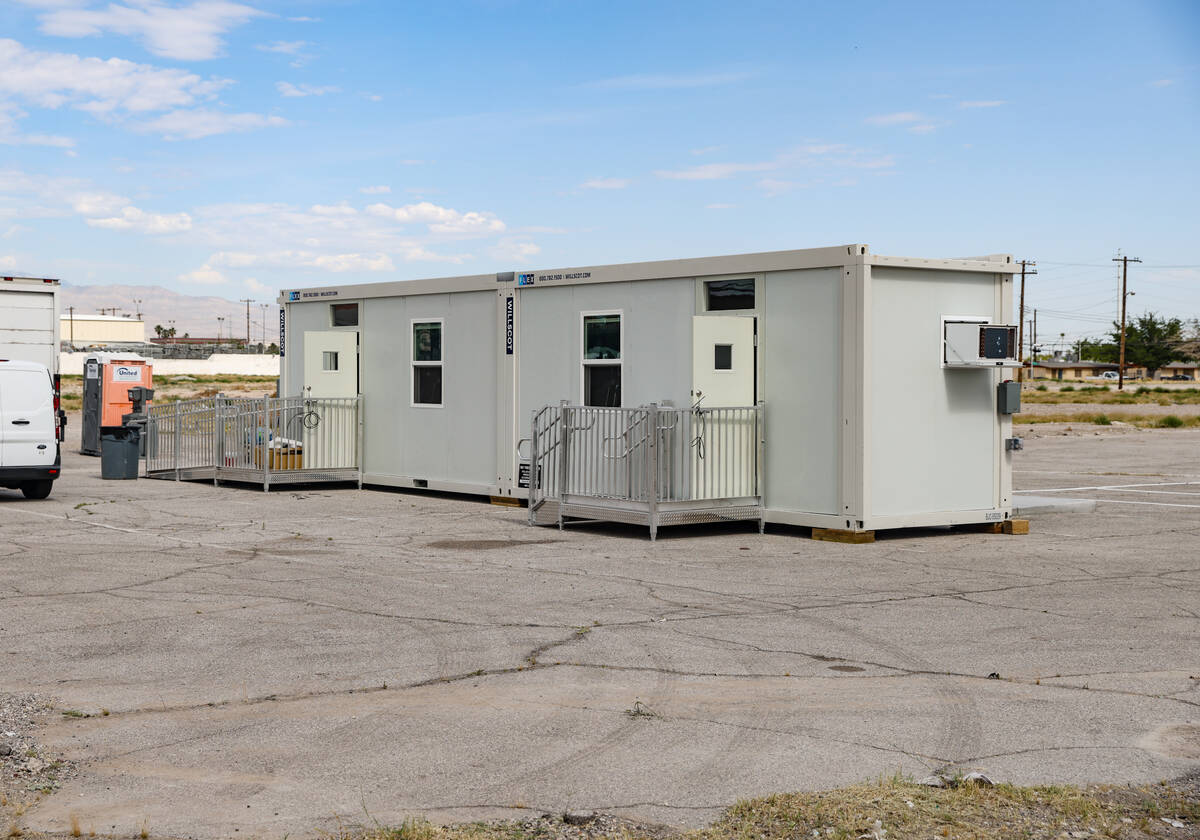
<point x="973" y="342"/>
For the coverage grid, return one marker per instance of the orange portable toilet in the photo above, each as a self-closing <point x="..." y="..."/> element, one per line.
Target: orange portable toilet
<point x="107" y="378"/>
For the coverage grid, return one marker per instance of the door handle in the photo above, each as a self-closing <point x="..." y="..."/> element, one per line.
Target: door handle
<point x="20" y="422"/>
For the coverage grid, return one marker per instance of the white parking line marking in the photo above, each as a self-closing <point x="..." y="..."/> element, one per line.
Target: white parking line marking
<point x="1156" y="504"/>
<point x="1111" y="487"/>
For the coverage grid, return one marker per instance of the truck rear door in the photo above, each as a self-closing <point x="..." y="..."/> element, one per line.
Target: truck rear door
<point x="27" y="433"/>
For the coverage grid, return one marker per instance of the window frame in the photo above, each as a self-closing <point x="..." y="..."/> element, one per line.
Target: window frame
<point x="326" y="357"/>
<point x="702" y="293"/>
<point x="716" y="369"/>
<point x="585" y="362"/>
<point x="413" y="364"/>
<point x="357" y="314"/>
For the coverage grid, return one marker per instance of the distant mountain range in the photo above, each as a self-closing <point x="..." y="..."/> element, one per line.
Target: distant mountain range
<point x="197" y="316"/>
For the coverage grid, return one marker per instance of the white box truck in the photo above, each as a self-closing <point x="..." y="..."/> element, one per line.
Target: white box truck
<point x="29" y="328"/>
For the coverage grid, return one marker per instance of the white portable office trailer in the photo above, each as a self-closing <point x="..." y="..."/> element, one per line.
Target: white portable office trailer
<point x="881" y="386"/>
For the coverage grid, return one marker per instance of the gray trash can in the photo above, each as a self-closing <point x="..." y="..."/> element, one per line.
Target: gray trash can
<point x="119" y="453"/>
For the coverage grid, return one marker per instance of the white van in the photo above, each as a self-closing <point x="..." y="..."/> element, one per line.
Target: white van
<point x="29" y="433"/>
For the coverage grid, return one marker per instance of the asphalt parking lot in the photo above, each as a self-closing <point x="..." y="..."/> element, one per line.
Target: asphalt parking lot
<point x="279" y="664"/>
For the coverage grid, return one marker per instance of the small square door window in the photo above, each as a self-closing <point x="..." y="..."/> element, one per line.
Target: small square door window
<point x="723" y="357"/>
<point x="329" y="360"/>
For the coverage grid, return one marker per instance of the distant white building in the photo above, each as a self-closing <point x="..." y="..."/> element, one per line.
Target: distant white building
<point x="100" y="330"/>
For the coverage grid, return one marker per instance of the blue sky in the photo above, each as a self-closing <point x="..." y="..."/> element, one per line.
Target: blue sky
<point x="236" y="148"/>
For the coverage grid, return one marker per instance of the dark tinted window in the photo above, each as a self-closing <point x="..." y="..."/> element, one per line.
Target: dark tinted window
<point x="427" y="385"/>
<point x="344" y="314"/>
<point x="602" y="336"/>
<point x="730" y="294"/>
<point x="602" y="385"/>
<point x="427" y="342"/>
<point x="723" y="357"/>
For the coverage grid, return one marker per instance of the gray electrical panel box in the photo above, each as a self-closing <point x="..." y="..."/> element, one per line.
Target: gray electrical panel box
<point x="1008" y="397"/>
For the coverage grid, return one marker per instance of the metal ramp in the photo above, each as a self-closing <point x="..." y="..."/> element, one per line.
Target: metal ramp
<point x="265" y="441"/>
<point x="651" y="465"/>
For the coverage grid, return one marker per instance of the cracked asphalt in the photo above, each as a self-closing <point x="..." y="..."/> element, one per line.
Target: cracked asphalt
<point x="280" y="664"/>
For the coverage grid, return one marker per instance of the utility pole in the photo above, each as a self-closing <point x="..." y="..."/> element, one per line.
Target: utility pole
<point x="1021" y="320"/>
<point x="1124" y="261"/>
<point x="1033" y="347"/>
<point x="247" y="301"/>
<point x="71" y="309"/>
<point x="137" y="307"/>
<point x="263" y="307"/>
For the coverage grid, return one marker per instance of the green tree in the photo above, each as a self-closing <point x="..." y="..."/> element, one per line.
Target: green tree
<point x="1150" y="341"/>
<point x="1098" y="351"/>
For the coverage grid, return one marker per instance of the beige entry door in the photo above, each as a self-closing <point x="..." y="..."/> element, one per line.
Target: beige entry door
<point x="331" y="363"/>
<point x="329" y="426"/>
<point x="722" y="360"/>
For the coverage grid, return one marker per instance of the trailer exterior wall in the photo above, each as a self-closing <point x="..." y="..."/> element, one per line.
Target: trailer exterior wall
<point x="452" y="446"/>
<point x="800" y="345"/>
<point x="656" y="319"/>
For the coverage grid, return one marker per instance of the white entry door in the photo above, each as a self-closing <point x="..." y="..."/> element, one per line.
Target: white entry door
<point x="330" y="371"/>
<point x="722" y="360"/>
<point x="331" y="363"/>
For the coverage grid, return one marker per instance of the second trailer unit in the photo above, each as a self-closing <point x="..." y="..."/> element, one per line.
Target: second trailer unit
<point x="879" y="380"/>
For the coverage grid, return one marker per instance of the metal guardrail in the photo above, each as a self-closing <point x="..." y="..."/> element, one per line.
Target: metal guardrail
<point x="260" y="440"/>
<point x="650" y="465"/>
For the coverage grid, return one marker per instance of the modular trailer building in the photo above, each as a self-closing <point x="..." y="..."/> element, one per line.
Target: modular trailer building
<point x="883" y="406"/>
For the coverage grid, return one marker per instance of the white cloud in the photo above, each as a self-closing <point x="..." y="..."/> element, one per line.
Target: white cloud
<point x="714" y="171"/>
<point x="439" y="219"/>
<point x="512" y="250"/>
<point x="186" y="33"/>
<point x="205" y="275"/>
<point x="201" y="122"/>
<point x="255" y="286"/>
<point x="982" y="103"/>
<point x="605" y="184"/>
<point x="827" y="156"/>
<point x="378" y="189"/>
<point x="923" y="128"/>
<point x="97" y="203"/>
<point x="776" y="186"/>
<point x="671" y="82"/>
<point x="8" y="262"/>
<point x="132" y="218"/>
<point x="284" y="47"/>
<point x="1160" y="83"/>
<point x="707" y="150"/>
<point x="898" y="118"/>
<point x="342" y="209"/>
<point x="289" y="89"/>
<point x="304" y="259"/>
<point x="10" y="136"/>
<point x="98" y="86"/>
